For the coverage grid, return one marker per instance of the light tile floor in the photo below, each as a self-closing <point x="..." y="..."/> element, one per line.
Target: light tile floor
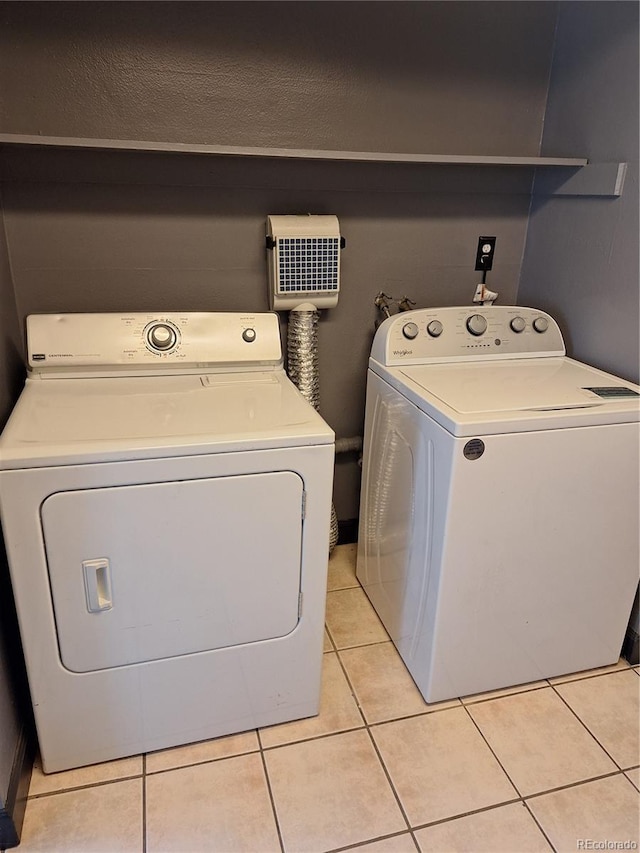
<point x="553" y="765"/>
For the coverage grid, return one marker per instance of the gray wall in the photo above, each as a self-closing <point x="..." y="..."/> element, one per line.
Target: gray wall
<point x="463" y="77"/>
<point x="10" y="373"/>
<point x="581" y="259"/>
<point x="101" y="232"/>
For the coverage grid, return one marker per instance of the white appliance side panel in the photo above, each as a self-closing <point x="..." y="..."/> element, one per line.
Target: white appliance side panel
<point x="540" y="563"/>
<point x="405" y="481"/>
<point x="177" y="567"/>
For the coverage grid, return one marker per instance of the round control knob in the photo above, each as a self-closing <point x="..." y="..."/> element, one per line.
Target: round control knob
<point x="518" y="324"/>
<point x="161" y="336"/>
<point x="410" y="330"/>
<point x="541" y="324"/>
<point x="435" y="328"/>
<point x="249" y="335"/>
<point x="477" y="324"/>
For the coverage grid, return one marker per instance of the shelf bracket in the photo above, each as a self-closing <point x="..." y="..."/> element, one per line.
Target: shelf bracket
<point x="594" y="179"/>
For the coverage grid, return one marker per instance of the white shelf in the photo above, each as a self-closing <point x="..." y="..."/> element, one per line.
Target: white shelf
<point x="286" y="153"/>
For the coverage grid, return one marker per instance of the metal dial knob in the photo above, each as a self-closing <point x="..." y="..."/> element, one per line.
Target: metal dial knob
<point x="541" y="324"/>
<point x="477" y="324"/>
<point x="435" y="328"/>
<point x="161" y="336"/>
<point x="249" y="335"/>
<point x="518" y="324"/>
<point x="410" y="331"/>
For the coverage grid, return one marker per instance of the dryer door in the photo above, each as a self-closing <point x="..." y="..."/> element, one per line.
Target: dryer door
<point x="139" y="573"/>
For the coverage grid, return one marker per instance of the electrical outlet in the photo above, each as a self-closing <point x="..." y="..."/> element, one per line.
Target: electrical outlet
<point x="486" y="251"/>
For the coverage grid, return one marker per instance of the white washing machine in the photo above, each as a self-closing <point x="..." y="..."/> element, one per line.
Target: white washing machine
<point x="165" y="494"/>
<point x="500" y="503"/>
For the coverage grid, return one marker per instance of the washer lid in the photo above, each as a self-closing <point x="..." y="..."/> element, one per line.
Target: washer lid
<point x="543" y="384"/>
<point x="68" y="421"/>
<point x="516" y="395"/>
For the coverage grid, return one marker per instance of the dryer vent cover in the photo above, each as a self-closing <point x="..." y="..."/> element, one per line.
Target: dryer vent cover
<point x="304" y="261"/>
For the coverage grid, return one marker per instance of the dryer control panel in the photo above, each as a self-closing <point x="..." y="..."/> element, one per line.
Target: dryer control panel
<point x="108" y="344"/>
<point x="461" y="333"/>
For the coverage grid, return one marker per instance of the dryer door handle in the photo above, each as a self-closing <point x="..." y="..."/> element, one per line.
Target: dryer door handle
<point x="97" y="585"/>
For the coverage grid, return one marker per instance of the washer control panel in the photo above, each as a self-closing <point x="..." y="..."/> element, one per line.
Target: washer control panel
<point x="140" y="342"/>
<point x="466" y="333"/>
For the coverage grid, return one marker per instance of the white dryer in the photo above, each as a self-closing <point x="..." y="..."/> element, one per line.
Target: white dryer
<point x="165" y="494"/>
<point x="500" y="501"/>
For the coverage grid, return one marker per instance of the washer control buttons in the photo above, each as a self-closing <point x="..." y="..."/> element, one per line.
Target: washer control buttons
<point x="249" y="335"/>
<point x="410" y="331"/>
<point x="161" y="337"/>
<point x="435" y="328"/>
<point x="541" y="324"/>
<point x="477" y="325"/>
<point x="518" y="324"/>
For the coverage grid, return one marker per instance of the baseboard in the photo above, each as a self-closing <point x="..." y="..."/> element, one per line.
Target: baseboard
<point x="12" y="815"/>
<point x="347" y="531"/>
<point x="630" y="647"/>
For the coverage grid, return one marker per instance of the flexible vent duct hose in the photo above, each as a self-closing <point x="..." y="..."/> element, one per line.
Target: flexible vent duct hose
<point x="302" y="354"/>
<point x="349" y="445"/>
<point x="302" y="367"/>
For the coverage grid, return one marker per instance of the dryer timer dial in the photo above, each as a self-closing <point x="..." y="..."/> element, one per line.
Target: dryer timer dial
<point x="161" y="337"/>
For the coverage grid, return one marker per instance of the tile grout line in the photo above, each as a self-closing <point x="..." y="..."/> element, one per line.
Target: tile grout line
<point x="520" y="692"/>
<point x="629" y="779"/>
<point x="371" y="841"/>
<point x="515" y="787"/>
<point x="495" y="806"/>
<point x="270" y="792"/>
<point x="330" y="635"/>
<point x="482" y="810"/>
<point x="492" y="751"/>
<point x="585" y="726"/>
<point x="364" y="645"/>
<point x="144" y="802"/>
<point x="566" y="787"/>
<point x="101" y="784"/>
<point x="525" y="797"/>
<point x="377" y="752"/>
<point x="310" y="739"/>
<point x="557" y="680"/>
<point x="539" y="825"/>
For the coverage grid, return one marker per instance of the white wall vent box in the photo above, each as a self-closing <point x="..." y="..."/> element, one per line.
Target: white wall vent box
<point x="304" y="261"/>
